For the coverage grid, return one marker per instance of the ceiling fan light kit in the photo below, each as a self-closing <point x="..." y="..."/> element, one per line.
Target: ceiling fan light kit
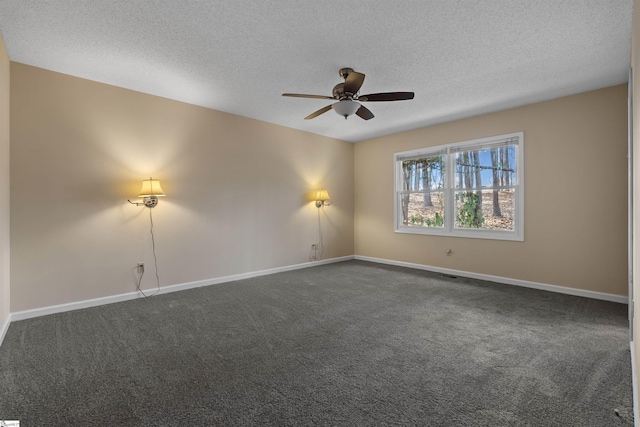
<point x="348" y="95"/>
<point x="345" y="107"/>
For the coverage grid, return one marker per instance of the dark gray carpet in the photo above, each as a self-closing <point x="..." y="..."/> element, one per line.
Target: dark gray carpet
<point x="346" y="344"/>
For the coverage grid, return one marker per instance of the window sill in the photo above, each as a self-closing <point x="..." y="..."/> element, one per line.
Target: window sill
<point x="470" y="234"/>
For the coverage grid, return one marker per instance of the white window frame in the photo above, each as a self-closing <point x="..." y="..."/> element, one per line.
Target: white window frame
<point x="449" y="190"/>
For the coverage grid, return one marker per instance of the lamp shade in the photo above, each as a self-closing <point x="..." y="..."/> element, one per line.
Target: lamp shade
<point x="345" y="107"/>
<point x="151" y="187"/>
<point x="322" y="195"/>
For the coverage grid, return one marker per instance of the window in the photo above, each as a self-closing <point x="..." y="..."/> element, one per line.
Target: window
<point x="466" y="189"/>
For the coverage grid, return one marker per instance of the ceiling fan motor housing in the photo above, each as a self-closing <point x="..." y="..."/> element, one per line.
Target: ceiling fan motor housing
<point x="338" y="92"/>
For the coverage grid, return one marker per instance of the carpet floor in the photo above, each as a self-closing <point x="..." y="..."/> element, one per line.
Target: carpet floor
<point x="346" y="344"/>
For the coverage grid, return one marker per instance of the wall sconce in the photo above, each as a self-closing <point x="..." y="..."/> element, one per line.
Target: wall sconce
<point x="150" y="191"/>
<point x="322" y="198"/>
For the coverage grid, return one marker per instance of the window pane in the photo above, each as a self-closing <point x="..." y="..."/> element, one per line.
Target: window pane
<point x="423" y="174"/>
<point x="495" y="167"/>
<point x="486" y="210"/>
<point x="423" y="209"/>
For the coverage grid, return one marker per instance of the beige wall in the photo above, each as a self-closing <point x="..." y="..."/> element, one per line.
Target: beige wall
<point x="575" y="195"/>
<point x="237" y="191"/>
<point x="4" y="186"/>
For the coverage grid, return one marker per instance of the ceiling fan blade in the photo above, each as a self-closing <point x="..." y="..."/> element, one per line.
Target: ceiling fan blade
<point x="386" y="96"/>
<point x="364" y="113"/>
<point x="301" y="95"/>
<point x="353" y="82"/>
<point x="317" y="113"/>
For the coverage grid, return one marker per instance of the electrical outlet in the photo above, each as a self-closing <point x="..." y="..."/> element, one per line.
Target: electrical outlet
<point x="141" y="267"/>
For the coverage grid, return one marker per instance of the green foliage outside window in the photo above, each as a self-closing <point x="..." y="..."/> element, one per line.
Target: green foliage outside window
<point x="469" y="215"/>
<point x="437" y="221"/>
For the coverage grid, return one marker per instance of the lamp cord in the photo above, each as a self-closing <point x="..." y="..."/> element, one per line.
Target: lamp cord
<point x="155" y="260"/>
<point x="320" y="234"/>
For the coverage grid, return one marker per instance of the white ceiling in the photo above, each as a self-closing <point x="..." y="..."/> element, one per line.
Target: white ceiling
<point x="460" y="57"/>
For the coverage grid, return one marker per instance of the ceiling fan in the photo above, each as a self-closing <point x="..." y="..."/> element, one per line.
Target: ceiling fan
<point x="349" y="99"/>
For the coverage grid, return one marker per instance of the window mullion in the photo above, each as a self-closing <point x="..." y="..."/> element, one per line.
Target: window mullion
<point x="449" y="193"/>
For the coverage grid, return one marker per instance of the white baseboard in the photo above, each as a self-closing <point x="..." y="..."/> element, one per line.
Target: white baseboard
<point x="61" y="308"/>
<point x="37" y="312"/>
<point x="524" y="283"/>
<point x="242" y="276"/>
<point x="28" y="314"/>
<point x="5" y="328"/>
<point x="634" y="385"/>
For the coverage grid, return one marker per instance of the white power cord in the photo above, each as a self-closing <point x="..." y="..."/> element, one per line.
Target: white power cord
<point x="155" y="259"/>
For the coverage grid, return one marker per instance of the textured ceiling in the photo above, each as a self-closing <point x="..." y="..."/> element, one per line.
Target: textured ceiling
<point x="460" y="57"/>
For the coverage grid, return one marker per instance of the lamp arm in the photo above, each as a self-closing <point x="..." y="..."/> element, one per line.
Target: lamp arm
<point x="148" y="201"/>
